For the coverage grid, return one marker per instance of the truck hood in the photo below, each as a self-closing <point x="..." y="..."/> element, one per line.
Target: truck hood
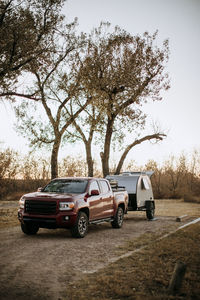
<point x="52" y="196"/>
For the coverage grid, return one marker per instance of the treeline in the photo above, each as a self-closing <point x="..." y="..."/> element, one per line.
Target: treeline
<point x="177" y="177"/>
<point x="25" y="173"/>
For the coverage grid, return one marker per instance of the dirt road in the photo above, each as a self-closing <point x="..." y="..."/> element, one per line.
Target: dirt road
<point x="42" y="266"/>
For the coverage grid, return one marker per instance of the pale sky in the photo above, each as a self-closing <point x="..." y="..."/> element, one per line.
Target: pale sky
<point x="178" y="113"/>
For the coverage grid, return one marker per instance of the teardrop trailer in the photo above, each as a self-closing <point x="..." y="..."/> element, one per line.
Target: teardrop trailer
<point x="139" y="188"/>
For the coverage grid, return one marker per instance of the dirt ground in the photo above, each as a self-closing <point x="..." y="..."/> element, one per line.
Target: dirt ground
<point x="42" y="266"/>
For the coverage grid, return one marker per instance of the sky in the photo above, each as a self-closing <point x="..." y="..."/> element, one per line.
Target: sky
<point x="178" y="112"/>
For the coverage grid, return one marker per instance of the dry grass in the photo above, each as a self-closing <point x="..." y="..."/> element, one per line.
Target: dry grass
<point x="8" y="213"/>
<point x="175" y="208"/>
<point x="146" y="274"/>
<point x="190" y="198"/>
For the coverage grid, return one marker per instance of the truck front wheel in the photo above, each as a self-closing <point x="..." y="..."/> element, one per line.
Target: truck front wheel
<point x="29" y="228"/>
<point x="80" y="228"/>
<point x="118" y="219"/>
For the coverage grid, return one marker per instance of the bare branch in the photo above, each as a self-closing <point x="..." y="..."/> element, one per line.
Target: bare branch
<point x="15" y="94"/>
<point x="156" y="136"/>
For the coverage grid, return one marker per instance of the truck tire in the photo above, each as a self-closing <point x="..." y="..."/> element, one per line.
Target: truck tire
<point x="118" y="219"/>
<point x="29" y="228"/>
<point x="80" y="229"/>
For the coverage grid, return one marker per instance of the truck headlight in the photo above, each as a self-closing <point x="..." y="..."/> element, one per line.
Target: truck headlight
<point x="21" y="202"/>
<point x="66" y="205"/>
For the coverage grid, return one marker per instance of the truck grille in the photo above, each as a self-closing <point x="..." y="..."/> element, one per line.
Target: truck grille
<point x="40" y="207"/>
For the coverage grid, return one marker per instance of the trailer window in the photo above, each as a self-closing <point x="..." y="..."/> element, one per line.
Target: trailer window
<point x="145" y="184"/>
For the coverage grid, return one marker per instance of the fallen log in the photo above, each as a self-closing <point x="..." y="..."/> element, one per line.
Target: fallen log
<point x="179" y="219"/>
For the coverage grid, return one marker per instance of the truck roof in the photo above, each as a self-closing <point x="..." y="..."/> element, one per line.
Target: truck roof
<point x="80" y="178"/>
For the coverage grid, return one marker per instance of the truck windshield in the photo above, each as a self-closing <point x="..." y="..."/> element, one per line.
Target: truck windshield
<point x="65" y="186"/>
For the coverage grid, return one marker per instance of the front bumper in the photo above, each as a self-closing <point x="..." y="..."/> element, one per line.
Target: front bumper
<point x="60" y="220"/>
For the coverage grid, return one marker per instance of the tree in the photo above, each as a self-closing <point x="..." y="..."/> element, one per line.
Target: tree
<point x="194" y="171"/>
<point x="176" y="171"/>
<point x="50" y="128"/>
<point x="122" y="72"/>
<point x="156" y="179"/>
<point x="27" y="33"/>
<point x="84" y="129"/>
<point x="8" y="163"/>
<point x="72" y="166"/>
<point x="156" y="136"/>
<point x="58" y="91"/>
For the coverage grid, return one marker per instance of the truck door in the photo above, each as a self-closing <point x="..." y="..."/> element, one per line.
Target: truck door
<point x="95" y="201"/>
<point x="107" y="199"/>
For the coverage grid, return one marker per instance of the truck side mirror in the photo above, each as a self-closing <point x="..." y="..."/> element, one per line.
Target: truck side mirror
<point x="39" y="189"/>
<point x="94" y="192"/>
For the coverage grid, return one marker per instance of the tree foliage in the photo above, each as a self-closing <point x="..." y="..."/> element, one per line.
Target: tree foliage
<point x="27" y="33"/>
<point x="9" y="163"/>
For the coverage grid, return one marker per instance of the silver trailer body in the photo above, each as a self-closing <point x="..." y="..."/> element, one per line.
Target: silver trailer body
<point x="139" y="188"/>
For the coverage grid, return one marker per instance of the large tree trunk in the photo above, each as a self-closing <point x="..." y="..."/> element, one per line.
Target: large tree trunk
<point x="90" y="162"/>
<point x="156" y="136"/>
<point x="54" y="159"/>
<point x="106" y="154"/>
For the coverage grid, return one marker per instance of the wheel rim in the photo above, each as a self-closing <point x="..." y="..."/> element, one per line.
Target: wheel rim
<point x="82" y="225"/>
<point x="120" y="216"/>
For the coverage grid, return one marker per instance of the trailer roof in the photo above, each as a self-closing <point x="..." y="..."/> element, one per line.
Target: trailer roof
<point x="129" y="180"/>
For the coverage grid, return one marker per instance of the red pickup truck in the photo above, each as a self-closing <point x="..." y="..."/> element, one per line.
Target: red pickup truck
<point x="72" y="203"/>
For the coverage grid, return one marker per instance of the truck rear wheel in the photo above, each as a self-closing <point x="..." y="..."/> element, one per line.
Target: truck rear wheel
<point x="80" y="229"/>
<point x="118" y="219"/>
<point x="29" y="228"/>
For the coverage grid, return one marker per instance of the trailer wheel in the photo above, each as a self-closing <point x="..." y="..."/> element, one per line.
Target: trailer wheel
<point x="80" y="229"/>
<point x="118" y="219"/>
<point x="29" y="228"/>
<point x="150" y="213"/>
